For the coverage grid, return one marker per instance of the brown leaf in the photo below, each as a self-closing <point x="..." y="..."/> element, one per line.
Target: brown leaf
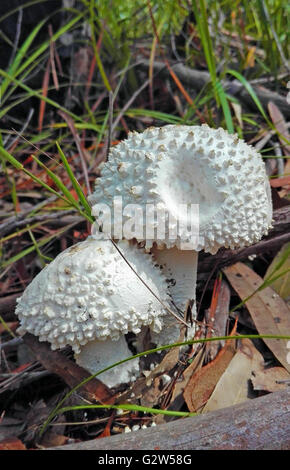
<point x="271" y="380"/>
<point x="177" y="399"/>
<point x="203" y="382"/>
<point x="12" y="444"/>
<point x="69" y="371"/>
<point x="282" y="284"/>
<point x="285" y="191"/>
<point x="268" y="311"/>
<point x="52" y="439"/>
<point x="280" y="124"/>
<point x="233" y="385"/>
<point x="220" y="316"/>
<point x="278" y="182"/>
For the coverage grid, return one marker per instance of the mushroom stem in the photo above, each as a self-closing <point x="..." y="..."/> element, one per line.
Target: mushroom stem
<point x="180" y="268"/>
<point x="97" y="355"/>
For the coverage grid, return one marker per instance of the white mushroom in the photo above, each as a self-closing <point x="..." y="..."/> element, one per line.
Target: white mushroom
<point x="182" y="165"/>
<point x="89" y="298"/>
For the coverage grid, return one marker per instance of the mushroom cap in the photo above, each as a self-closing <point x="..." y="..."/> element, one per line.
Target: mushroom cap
<point x="89" y="292"/>
<point x="175" y="165"/>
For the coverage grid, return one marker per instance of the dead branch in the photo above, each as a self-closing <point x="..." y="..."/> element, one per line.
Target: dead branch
<point x="197" y="79"/>
<point x="260" y="423"/>
<point x="279" y="235"/>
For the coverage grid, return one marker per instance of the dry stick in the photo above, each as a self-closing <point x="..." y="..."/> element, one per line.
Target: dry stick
<point x="269" y="21"/>
<point x="17" y="36"/>
<point x="110" y="123"/>
<point x="19" y="134"/>
<point x="9" y="223"/>
<point x="279" y="160"/>
<point x="197" y="79"/>
<point x="266" y="137"/>
<point x="52" y="61"/>
<point x="171" y="72"/>
<point x="77" y="140"/>
<point x="37" y="218"/>
<point x="227" y="258"/>
<point x="128" y="104"/>
<point x="260" y="423"/>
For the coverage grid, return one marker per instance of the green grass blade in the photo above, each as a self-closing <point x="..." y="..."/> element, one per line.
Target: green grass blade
<point x="251" y="92"/>
<point x="36" y="94"/>
<point x="202" y="26"/>
<point x="95" y="48"/>
<point x="30" y="249"/>
<point x="45" y="45"/>
<point x="225" y="106"/>
<point x="4" y="324"/>
<point x="61" y="186"/>
<point x="74" y="182"/>
<point x="42" y="257"/>
<point x="55" y="411"/>
<point x="126" y="406"/>
<point x="19" y="56"/>
<point x="7" y="156"/>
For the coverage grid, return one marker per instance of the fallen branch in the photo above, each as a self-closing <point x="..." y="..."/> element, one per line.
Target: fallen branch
<point x="260" y="423"/>
<point x="279" y="235"/>
<point x="197" y="79"/>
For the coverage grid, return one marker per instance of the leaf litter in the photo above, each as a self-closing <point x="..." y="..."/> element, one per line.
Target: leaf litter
<point x="203" y="377"/>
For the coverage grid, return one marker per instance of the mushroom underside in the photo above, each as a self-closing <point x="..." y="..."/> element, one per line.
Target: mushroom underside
<point x="97" y="355"/>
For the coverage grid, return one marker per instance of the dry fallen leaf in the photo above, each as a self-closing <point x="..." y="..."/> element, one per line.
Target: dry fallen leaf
<point x="233" y="385"/>
<point x="281" y="125"/>
<point x="177" y="399"/>
<point x="12" y="444"/>
<point x="282" y="284"/>
<point x="269" y="312"/>
<point x="69" y="371"/>
<point x="52" y="439"/>
<point x="271" y="380"/>
<point x="218" y="314"/>
<point x="203" y="382"/>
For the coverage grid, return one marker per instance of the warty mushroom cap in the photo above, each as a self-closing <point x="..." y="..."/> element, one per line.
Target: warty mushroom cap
<point x="175" y="165"/>
<point x="90" y="293"/>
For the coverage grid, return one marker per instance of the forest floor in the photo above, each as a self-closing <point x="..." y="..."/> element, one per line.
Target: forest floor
<point x="84" y="77"/>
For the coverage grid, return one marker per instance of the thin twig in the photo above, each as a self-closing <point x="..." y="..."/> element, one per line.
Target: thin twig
<point x="17" y="36"/>
<point x="77" y="140"/>
<point x="197" y="79"/>
<point x="276" y="39"/>
<point x="22" y="130"/>
<point x="128" y="104"/>
<point x="110" y="123"/>
<point x="279" y="160"/>
<point x="30" y="220"/>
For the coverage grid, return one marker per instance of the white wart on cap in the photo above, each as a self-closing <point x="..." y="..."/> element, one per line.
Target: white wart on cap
<point x="89" y="298"/>
<point x="176" y="165"/>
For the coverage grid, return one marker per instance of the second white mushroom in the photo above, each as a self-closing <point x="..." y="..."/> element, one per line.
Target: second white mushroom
<point x="89" y="298"/>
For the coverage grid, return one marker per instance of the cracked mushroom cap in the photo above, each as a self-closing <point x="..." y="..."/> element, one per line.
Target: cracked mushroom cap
<point x="176" y="165"/>
<point x="89" y="292"/>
